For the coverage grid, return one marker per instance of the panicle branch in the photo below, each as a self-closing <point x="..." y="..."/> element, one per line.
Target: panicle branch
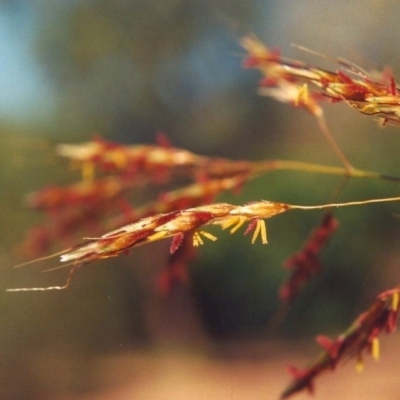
<point x="361" y="337"/>
<point x="178" y="223"/>
<point x="174" y="224"/>
<point x="91" y="204"/>
<point x="162" y="226"/>
<point x="304" y="85"/>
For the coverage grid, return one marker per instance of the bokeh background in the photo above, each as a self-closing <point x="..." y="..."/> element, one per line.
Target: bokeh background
<point x="126" y="70"/>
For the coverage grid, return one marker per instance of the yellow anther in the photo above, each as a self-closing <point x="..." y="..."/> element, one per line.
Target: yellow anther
<point x="395" y="301"/>
<point x="360" y="364"/>
<point x="375" y="349"/>
<point x="88" y="171"/>
<point x="229" y="222"/>
<point x="197" y="240"/>
<point x="119" y="159"/>
<point x="208" y="235"/>
<point x="256" y="232"/>
<point x="260" y="228"/>
<point x="237" y="221"/>
<point x="157" y="235"/>
<point x="264" y="238"/>
<point x="241" y="221"/>
<point x="302" y="96"/>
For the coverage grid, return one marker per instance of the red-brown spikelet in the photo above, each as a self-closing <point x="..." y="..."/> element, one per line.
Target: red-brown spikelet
<point x="79" y="206"/>
<point x="87" y="205"/>
<point x="305" y="263"/>
<point x="304" y="85"/>
<point x="283" y="80"/>
<point x="360" y="337"/>
<point x="193" y="195"/>
<point x="143" y="163"/>
<point x="176" y="272"/>
<point x="175" y="223"/>
<point x="111" y="156"/>
<point x="161" y="226"/>
<point x="86" y="192"/>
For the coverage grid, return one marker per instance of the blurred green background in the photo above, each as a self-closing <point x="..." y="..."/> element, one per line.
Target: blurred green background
<point x="129" y="69"/>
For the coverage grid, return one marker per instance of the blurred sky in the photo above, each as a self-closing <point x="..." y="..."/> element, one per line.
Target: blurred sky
<point x="27" y="89"/>
<point x="24" y="89"/>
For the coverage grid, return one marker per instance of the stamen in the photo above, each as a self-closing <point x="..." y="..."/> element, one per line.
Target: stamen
<point x="208" y="235"/>
<point x="395" y="301"/>
<point x="157" y="235"/>
<point x="360" y="364"/>
<point x="264" y="238"/>
<point x="231" y="221"/>
<point x="302" y="96"/>
<point x="240" y="222"/>
<point x="256" y="232"/>
<point x="88" y="171"/>
<point x="197" y="240"/>
<point x="375" y="349"/>
<point x="119" y="159"/>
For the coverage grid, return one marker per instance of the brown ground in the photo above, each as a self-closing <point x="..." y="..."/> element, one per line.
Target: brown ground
<point x="174" y="376"/>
